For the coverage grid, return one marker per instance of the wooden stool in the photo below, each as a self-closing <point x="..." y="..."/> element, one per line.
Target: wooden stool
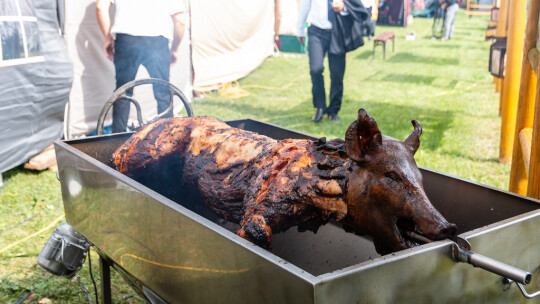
<point x="381" y="40"/>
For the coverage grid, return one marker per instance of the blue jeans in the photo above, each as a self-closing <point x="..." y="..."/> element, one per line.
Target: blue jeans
<point x="318" y="46"/>
<point x="130" y="52"/>
<point x="449" y="18"/>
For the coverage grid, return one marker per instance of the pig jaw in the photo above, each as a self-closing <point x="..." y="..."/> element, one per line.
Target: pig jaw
<point x="394" y="222"/>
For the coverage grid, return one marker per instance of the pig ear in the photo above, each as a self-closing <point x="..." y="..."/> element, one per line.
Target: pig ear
<point x="413" y="141"/>
<point x="363" y="137"/>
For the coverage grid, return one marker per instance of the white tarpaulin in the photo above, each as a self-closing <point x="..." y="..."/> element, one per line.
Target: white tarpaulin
<point x="34" y="92"/>
<point x="94" y="80"/>
<point x="288" y="10"/>
<point x="229" y="39"/>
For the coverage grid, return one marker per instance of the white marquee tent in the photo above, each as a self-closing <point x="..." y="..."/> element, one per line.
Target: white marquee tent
<point x="224" y="41"/>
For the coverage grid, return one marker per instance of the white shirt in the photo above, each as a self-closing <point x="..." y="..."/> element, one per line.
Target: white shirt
<point x="368" y="3"/>
<point x="145" y="17"/>
<point x="316" y="13"/>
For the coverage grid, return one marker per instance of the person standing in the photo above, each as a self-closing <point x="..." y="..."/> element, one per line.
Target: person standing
<point x="451" y="8"/>
<point x="373" y="9"/>
<point x="140" y="35"/>
<point x="335" y="28"/>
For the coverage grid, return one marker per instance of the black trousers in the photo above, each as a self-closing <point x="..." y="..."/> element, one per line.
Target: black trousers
<point x="318" y="46"/>
<point x="129" y="53"/>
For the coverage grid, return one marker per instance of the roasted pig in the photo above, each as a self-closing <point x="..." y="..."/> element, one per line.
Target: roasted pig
<point x="369" y="182"/>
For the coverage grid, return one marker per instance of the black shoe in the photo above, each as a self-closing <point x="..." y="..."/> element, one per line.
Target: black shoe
<point x="333" y="117"/>
<point x="318" y="115"/>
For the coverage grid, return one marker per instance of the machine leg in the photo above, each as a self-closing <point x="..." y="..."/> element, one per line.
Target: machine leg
<point x="105" y="273"/>
<point x="384" y="50"/>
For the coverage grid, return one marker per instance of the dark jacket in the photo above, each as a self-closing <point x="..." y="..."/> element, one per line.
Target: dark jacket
<point x="347" y="30"/>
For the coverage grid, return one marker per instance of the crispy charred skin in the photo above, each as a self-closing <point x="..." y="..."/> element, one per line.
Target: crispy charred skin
<point x="260" y="183"/>
<point x="369" y="182"/>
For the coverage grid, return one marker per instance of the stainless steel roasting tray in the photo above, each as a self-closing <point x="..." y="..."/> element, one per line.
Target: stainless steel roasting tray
<point x="169" y="253"/>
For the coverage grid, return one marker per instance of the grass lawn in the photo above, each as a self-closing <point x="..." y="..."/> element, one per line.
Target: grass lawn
<point x="443" y="85"/>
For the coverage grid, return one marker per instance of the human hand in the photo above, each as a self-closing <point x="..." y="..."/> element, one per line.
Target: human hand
<point x="174" y="57"/>
<point x="109" y="47"/>
<point x="301" y="40"/>
<point x="338" y="5"/>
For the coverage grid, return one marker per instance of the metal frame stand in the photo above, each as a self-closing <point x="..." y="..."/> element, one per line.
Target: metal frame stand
<point x="105" y="275"/>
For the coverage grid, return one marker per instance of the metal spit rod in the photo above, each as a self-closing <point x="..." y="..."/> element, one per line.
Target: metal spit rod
<point x="461" y="252"/>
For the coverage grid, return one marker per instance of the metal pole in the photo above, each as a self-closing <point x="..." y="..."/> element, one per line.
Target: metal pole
<point x="105" y="273"/>
<point x="514" y="50"/>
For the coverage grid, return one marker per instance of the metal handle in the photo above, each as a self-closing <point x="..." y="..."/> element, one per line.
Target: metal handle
<point x="120" y="94"/>
<point x="461" y="254"/>
<point x="524" y="292"/>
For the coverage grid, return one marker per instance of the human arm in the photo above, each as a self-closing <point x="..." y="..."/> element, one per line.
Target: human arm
<point x="277" y="19"/>
<point x="443" y="4"/>
<point x="375" y="10"/>
<point x="104" y="21"/>
<point x="179" y="25"/>
<point x="305" y="6"/>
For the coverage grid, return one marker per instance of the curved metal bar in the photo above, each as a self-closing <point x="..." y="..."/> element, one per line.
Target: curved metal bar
<point x="120" y="93"/>
<point x="169" y="108"/>
<point x="525" y="293"/>
<point x="137" y="107"/>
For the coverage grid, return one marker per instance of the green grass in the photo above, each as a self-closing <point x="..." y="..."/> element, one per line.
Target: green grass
<point x="443" y="85"/>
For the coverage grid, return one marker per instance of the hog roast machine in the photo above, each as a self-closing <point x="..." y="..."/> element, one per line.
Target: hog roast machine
<point x="170" y="252"/>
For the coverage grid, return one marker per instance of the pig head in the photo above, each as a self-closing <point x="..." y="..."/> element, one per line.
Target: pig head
<point x="386" y="198"/>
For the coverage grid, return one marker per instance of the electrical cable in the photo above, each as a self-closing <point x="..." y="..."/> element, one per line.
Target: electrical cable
<point x="21" y="299"/>
<point x="83" y="288"/>
<point x="18" y="224"/>
<point x="28" y="219"/>
<point x="32" y="235"/>
<point x="91" y="275"/>
<point x="125" y="298"/>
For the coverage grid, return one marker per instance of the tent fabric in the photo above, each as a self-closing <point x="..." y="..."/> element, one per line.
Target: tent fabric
<point x="288" y="10"/>
<point x="94" y="80"/>
<point x="229" y="39"/>
<point x="34" y="95"/>
<point x="393" y="12"/>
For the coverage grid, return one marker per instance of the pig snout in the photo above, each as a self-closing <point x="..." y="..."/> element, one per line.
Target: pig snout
<point x="433" y="225"/>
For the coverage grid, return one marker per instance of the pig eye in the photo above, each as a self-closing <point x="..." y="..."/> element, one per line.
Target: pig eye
<point x="392" y="175"/>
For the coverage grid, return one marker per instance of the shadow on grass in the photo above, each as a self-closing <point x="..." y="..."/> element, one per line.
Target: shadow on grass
<point x="393" y="120"/>
<point x="247" y="108"/>
<point x="7" y="175"/>
<point x="443" y="45"/>
<point x="413" y="58"/>
<point x="452" y="84"/>
<point x="410" y="78"/>
<point x="365" y="54"/>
